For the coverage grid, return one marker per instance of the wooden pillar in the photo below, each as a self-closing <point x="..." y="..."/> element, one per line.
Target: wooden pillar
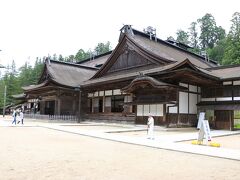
<point x="178" y="118"/>
<point x="79" y="106"/>
<point x="59" y="106"/>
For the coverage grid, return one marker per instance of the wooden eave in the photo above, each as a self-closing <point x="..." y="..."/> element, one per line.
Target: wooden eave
<point x="141" y="80"/>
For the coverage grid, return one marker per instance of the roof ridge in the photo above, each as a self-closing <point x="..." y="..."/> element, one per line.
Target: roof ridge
<point x="72" y="64"/>
<point x="158" y="40"/>
<point x="95" y="57"/>
<point x="224" y="66"/>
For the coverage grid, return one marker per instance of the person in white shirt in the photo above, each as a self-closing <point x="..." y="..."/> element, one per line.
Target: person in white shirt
<point x="150" y="124"/>
<point x="21" y="117"/>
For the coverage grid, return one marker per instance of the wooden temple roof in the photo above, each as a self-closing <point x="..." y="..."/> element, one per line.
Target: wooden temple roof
<point x="97" y="61"/>
<point x="226" y="72"/>
<point x="153" y="71"/>
<point x="160" y="58"/>
<point x="63" y="74"/>
<point x="169" y="51"/>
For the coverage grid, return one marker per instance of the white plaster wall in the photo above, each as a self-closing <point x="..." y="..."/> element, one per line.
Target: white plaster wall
<point x="128" y="98"/>
<point x="207" y="99"/>
<point x="96" y="94"/>
<point x="183" y="102"/>
<point x="146" y="110"/>
<point x="101" y="93"/>
<point x="116" y="92"/>
<point x="108" y="93"/>
<point x="159" y="108"/>
<point x="90" y="94"/>
<point x="173" y="109"/>
<point x="236" y="98"/>
<point x="183" y="84"/>
<point x="192" y="103"/>
<point x="224" y="99"/>
<point x="236" y="82"/>
<point x="193" y="88"/>
<point x="139" y="110"/>
<point x="95" y="102"/>
<point x="227" y="83"/>
<point x="153" y="109"/>
<point x="108" y="101"/>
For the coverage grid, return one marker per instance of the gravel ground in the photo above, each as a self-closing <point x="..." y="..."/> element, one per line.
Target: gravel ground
<point x="39" y="153"/>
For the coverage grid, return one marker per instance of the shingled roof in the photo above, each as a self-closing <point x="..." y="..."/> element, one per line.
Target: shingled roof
<point x="169" y="51"/>
<point x="97" y="61"/>
<point x="64" y="74"/>
<point x="226" y="72"/>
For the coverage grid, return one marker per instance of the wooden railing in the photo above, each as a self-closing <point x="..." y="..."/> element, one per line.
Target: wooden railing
<point x="51" y="117"/>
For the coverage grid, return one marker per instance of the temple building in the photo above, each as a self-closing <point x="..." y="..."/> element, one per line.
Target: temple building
<point x="142" y="75"/>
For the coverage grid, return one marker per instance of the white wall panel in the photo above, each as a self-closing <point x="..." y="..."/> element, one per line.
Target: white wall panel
<point x="139" y="110"/>
<point x="236" y="98"/>
<point x="227" y="83"/>
<point x="192" y="103"/>
<point x="153" y="109"/>
<point x="193" y="88"/>
<point x="116" y="92"/>
<point x="159" y="110"/>
<point x="108" y="101"/>
<point x="183" y="84"/>
<point x="183" y="102"/>
<point x="224" y="99"/>
<point x="207" y="99"/>
<point x="146" y="110"/>
<point x="173" y="109"/>
<point x="108" y="93"/>
<point x="96" y="94"/>
<point x="236" y="82"/>
<point x="101" y="93"/>
<point x="95" y="102"/>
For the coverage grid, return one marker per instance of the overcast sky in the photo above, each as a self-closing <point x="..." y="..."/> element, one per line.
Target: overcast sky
<point x="36" y="28"/>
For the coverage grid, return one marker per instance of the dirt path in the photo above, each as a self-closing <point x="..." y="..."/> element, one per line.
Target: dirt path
<point x="39" y="153"/>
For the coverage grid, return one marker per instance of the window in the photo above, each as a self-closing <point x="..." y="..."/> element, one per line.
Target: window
<point x="117" y="103"/>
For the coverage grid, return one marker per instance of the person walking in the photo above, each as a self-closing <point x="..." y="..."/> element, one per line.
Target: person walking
<point x="150" y="124"/>
<point x="14" y="115"/>
<point x="21" y="116"/>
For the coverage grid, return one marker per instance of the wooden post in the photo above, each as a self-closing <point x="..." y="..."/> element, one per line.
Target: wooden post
<point x="79" y="106"/>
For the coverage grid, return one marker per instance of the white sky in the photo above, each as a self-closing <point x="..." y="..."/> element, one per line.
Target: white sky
<point x="36" y="28"/>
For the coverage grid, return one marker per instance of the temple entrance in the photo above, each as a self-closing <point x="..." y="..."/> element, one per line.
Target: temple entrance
<point x="224" y="119"/>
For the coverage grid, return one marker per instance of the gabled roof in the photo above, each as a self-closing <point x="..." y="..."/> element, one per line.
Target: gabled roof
<point x="97" y="61"/>
<point x="169" y="51"/>
<point x="63" y="74"/>
<point x="229" y="72"/>
<point x="127" y="42"/>
<point x="158" y="51"/>
<point x="69" y="74"/>
<point x="153" y="71"/>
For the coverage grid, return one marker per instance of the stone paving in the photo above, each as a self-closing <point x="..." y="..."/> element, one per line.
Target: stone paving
<point x="164" y="141"/>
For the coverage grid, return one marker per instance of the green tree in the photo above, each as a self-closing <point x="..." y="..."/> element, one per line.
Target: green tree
<point x="182" y="37"/>
<point x="208" y="31"/>
<point x="81" y="55"/>
<point x="70" y="58"/>
<point x="193" y="35"/>
<point x="102" y="48"/>
<point x="232" y="50"/>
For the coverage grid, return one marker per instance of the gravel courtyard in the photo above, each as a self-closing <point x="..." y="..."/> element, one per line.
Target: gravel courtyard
<point x="40" y="153"/>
